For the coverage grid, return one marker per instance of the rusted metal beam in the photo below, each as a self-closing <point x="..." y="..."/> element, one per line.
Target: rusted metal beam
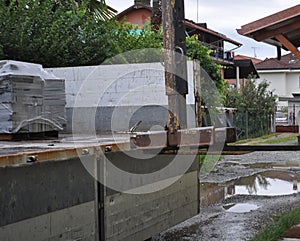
<point x="250" y="148"/>
<point x="197" y="92"/>
<point x="58" y="154"/>
<point x="195" y="137"/>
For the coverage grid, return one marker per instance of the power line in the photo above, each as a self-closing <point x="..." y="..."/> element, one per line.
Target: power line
<point x="197" y="11"/>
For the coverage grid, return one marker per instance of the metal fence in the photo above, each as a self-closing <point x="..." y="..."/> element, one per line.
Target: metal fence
<point x="251" y="125"/>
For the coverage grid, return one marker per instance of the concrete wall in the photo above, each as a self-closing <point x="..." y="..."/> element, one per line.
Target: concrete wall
<point x="140" y="216"/>
<point x="56" y="200"/>
<point x="47" y="201"/>
<point x="73" y="223"/>
<point x="149" y="214"/>
<point x="117" y="96"/>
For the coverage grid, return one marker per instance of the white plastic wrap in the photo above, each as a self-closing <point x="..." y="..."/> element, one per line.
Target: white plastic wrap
<point x="31" y="99"/>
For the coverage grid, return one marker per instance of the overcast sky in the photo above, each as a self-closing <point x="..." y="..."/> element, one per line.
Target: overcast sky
<point x="227" y="16"/>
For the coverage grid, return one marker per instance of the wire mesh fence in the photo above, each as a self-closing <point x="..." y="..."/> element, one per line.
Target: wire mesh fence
<point x="251" y="124"/>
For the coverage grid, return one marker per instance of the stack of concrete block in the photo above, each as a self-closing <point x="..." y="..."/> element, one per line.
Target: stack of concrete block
<point x="31" y="99"/>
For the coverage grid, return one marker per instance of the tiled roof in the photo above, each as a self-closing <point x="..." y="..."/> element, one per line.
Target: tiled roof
<point x="132" y="8"/>
<point x="254" y="60"/>
<point x="287" y="62"/>
<point x="280" y="29"/>
<point x="192" y="24"/>
<point x="187" y="22"/>
<point x="270" y="20"/>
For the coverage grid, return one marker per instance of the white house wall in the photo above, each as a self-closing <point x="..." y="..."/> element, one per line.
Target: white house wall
<point x="283" y="82"/>
<point x="277" y="81"/>
<point x="293" y="83"/>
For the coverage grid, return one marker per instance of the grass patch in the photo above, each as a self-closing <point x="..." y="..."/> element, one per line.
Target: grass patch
<point x="281" y="225"/>
<point x="256" y="139"/>
<point x="208" y="162"/>
<point x="268" y="139"/>
<point x="291" y="137"/>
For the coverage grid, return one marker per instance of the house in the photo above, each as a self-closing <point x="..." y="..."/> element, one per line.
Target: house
<point x="280" y="29"/>
<point x="214" y="40"/>
<point x="283" y="76"/>
<point x="141" y="12"/>
<point x="244" y="66"/>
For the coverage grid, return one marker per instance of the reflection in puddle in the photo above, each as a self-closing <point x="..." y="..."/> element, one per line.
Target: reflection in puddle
<point x="240" y="207"/>
<point x="262" y="185"/>
<point x="269" y="183"/>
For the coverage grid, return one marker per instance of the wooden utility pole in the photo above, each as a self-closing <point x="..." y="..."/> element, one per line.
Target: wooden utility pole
<point x="175" y="63"/>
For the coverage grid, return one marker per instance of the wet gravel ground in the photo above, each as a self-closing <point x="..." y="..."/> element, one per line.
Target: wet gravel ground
<point x="215" y="223"/>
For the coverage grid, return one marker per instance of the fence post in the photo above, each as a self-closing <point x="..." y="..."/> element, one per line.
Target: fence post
<point x="247" y="124"/>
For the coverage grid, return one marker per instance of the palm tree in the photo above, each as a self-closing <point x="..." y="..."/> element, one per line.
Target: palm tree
<point x="97" y="8"/>
<point x="100" y="9"/>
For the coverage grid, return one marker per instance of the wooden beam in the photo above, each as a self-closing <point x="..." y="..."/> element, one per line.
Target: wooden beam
<point x="287" y="43"/>
<point x="268" y="34"/>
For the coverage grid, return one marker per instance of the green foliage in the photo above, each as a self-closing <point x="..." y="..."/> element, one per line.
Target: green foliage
<point x="196" y="50"/>
<point x="255" y="105"/>
<point x="70" y="33"/>
<point x="134" y="44"/>
<point x="50" y="34"/>
<point x="66" y="34"/>
<point x="98" y="9"/>
<point x="1" y="52"/>
<point x="212" y="93"/>
<point x="282" y="224"/>
<point x="251" y="97"/>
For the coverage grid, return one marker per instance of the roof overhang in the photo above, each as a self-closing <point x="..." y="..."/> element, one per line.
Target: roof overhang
<point x="192" y="25"/>
<point x="133" y="8"/>
<point x="281" y="29"/>
<point x="246" y="68"/>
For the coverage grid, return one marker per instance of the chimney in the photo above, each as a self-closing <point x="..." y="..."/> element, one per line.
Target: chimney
<point x="143" y="2"/>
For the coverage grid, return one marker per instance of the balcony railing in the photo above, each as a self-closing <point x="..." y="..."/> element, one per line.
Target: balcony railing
<point x="218" y="53"/>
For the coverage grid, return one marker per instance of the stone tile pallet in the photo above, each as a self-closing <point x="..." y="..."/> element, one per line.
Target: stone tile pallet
<point x="31" y="100"/>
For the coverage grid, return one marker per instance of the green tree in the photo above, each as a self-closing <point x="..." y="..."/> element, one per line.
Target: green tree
<point x="96" y="8"/>
<point x="252" y="96"/>
<point x="131" y="44"/>
<point x="99" y="9"/>
<point x="59" y="33"/>
<point x="212" y="93"/>
<point x="255" y="105"/>
<point x="53" y="35"/>
<point x="196" y="50"/>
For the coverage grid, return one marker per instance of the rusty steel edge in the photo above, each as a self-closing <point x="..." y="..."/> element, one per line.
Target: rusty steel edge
<point x="27" y="157"/>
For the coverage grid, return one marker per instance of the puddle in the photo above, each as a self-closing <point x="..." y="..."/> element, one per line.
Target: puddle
<point x="240" y="207"/>
<point x="264" y="185"/>
<point x="269" y="183"/>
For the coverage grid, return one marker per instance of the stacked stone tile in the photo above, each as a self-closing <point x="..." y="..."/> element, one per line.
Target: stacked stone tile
<point x="31" y="99"/>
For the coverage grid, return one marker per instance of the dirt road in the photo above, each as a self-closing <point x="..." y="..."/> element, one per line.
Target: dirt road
<point x="248" y="191"/>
